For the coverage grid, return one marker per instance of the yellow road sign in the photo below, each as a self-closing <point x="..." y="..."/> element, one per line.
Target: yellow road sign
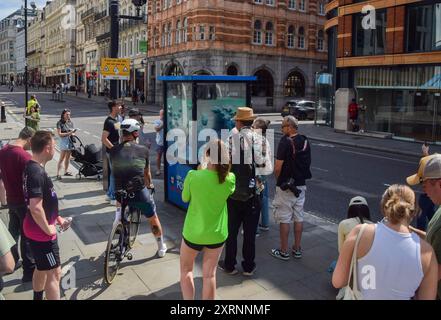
<point x="115" y="69"/>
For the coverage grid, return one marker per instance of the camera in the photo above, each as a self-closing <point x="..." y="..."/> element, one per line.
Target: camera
<point x="291" y="186"/>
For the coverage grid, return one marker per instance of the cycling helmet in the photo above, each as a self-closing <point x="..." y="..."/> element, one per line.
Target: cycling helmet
<point x="130" y="125"/>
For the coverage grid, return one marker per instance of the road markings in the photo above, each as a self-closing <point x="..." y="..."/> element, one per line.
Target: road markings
<point x="86" y="132"/>
<point x="319" y="169"/>
<point x="96" y="137"/>
<point x="377" y="156"/>
<point x="327" y="145"/>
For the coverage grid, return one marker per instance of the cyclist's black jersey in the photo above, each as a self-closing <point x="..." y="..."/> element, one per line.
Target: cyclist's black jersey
<point x="129" y="160"/>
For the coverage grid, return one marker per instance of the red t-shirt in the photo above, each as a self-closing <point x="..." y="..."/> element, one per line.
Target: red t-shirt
<point x="12" y="163"/>
<point x="353" y="110"/>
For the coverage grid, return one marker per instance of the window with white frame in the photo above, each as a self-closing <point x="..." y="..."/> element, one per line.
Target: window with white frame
<point x="130" y="46"/>
<point x="201" y="32"/>
<point x="257" y="38"/>
<point x="292" y="4"/>
<point x="178" y="2"/>
<point x="301" y="38"/>
<point x="184" y="32"/>
<point x="290" y="38"/>
<point x="212" y="33"/>
<point x="163" y="36"/>
<point x="269" y="33"/>
<point x="178" y="32"/>
<point x="302" y="5"/>
<point x="258" y="1"/>
<point x="269" y="2"/>
<point x="321" y="8"/>
<point x="136" y="43"/>
<point x="321" y="41"/>
<point x="169" y="34"/>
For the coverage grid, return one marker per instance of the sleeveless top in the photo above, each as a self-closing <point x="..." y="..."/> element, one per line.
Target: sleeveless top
<point x="392" y="269"/>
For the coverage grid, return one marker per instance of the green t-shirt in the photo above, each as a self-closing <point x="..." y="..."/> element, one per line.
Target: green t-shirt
<point x="434" y="238"/>
<point x="207" y="216"/>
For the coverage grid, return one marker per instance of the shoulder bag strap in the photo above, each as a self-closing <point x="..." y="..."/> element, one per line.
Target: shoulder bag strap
<point x="353" y="268"/>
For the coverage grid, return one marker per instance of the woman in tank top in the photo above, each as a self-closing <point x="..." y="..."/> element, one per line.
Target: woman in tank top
<point x="392" y="262"/>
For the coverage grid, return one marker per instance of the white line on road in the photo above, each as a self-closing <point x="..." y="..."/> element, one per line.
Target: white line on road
<point x="377" y="156"/>
<point x="319" y="169"/>
<point x="86" y="132"/>
<point x="96" y="137"/>
<point x="328" y="145"/>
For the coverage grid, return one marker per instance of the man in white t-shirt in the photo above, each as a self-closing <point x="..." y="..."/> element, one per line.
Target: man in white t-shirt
<point x="159" y="128"/>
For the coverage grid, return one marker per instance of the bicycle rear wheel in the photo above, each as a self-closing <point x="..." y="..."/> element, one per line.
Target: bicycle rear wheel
<point x="113" y="256"/>
<point x="134" y="218"/>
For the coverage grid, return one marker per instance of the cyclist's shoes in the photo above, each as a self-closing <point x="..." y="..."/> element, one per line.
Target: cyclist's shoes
<point x="162" y="252"/>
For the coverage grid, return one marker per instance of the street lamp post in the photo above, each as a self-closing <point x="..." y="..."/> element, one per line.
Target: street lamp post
<point x="26" y="51"/>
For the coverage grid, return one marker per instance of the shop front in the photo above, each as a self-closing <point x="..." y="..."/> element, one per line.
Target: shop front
<point x="404" y="101"/>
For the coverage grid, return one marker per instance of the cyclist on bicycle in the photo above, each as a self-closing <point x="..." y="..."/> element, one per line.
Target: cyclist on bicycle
<point x="131" y="167"/>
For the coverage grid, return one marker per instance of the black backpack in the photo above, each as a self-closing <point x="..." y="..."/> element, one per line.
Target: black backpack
<point x="245" y="174"/>
<point x="302" y="159"/>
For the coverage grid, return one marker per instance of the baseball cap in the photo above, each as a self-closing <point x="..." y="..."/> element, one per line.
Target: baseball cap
<point x="428" y="168"/>
<point x="357" y="201"/>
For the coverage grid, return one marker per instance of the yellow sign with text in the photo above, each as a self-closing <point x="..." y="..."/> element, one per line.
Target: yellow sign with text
<point x="115" y="69"/>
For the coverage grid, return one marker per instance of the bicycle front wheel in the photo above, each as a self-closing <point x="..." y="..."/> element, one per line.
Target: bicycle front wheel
<point x="113" y="255"/>
<point x="134" y="219"/>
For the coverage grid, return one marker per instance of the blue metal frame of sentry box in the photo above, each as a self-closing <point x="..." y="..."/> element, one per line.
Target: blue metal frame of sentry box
<point x="194" y="80"/>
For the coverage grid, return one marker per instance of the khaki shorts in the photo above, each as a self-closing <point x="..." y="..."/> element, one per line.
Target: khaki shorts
<point x="288" y="208"/>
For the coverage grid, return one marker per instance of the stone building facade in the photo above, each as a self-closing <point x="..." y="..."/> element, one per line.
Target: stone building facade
<point x="282" y="42"/>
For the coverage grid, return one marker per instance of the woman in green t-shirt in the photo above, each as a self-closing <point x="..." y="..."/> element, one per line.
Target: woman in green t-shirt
<point x="206" y="223"/>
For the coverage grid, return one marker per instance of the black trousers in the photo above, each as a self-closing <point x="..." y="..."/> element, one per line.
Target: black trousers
<point x="246" y="214"/>
<point x="17" y="214"/>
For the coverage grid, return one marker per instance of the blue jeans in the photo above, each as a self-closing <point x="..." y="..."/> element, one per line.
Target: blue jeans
<point x="264" y="211"/>
<point x="111" y="189"/>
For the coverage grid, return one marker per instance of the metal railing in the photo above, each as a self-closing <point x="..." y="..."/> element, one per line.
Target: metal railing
<point x="87" y="13"/>
<point x="103" y="37"/>
<point x="100" y="15"/>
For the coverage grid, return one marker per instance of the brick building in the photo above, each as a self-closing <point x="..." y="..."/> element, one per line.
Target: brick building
<point x="395" y="69"/>
<point x="282" y="42"/>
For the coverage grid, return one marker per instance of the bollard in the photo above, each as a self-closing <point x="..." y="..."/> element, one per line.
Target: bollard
<point x="3" y="112"/>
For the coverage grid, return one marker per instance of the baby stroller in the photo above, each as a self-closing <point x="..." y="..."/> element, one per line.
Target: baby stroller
<point x="89" y="157"/>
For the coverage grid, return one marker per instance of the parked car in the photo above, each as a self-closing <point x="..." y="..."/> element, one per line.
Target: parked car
<point x="302" y="110"/>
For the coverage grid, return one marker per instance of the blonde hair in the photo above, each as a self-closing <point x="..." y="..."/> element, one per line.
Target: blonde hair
<point x="398" y="204"/>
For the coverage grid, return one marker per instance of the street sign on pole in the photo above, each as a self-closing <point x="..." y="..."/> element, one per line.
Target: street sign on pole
<point x="115" y="69"/>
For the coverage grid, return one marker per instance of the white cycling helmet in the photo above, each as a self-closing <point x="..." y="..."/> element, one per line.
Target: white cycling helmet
<point x="130" y="125"/>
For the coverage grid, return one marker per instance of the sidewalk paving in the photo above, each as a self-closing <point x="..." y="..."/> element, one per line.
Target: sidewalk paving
<point x="148" y="277"/>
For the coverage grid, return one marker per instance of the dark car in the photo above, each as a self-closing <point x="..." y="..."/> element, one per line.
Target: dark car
<point x="302" y="110"/>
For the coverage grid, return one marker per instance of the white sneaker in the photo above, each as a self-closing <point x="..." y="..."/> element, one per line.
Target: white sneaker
<point x="108" y="199"/>
<point x="162" y="252"/>
<point x="113" y="202"/>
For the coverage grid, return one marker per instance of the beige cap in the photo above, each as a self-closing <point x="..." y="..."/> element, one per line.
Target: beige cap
<point x="428" y="168"/>
<point x="357" y="201"/>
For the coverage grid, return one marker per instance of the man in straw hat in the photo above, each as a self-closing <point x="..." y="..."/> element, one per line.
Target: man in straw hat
<point x="243" y="207"/>
<point x="429" y="175"/>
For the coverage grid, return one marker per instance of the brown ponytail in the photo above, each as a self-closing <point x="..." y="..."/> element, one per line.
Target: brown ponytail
<point x="221" y="161"/>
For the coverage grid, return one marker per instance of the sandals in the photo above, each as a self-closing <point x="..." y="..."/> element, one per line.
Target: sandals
<point x="68" y="174"/>
<point x="58" y="177"/>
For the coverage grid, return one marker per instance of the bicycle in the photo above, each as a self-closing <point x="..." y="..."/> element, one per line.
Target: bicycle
<point x="122" y="238"/>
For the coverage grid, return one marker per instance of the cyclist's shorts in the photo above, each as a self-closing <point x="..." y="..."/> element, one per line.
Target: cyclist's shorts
<point x="144" y="201"/>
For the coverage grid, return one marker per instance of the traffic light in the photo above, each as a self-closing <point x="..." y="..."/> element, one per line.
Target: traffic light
<point x="139" y="3"/>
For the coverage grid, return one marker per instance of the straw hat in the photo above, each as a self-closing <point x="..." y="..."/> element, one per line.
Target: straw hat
<point x="244" y="114"/>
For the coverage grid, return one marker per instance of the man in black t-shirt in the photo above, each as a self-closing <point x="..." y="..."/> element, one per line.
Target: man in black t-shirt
<point x="110" y="138"/>
<point x="41" y="217"/>
<point x="292" y="169"/>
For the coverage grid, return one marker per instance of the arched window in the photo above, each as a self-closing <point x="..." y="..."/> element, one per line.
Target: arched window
<point x="320" y="41"/>
<point x="169" y="34"/>
<point x="257" y="39"/>
<point x="136" y="43"/>
<point x="178" y="32"/>
<point x="130" y="46"/>
<point x="294" y="85"/>
<point x="173" y="70"/>
<point x="184" y="33"/>
<point x="164" y="32"/>
<point x="269" y="34"/>
<point x="290" y="38"/>
<point x="232" y="71"/>
<point x="301" y="38"/>
<point x="264" y="86"/>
